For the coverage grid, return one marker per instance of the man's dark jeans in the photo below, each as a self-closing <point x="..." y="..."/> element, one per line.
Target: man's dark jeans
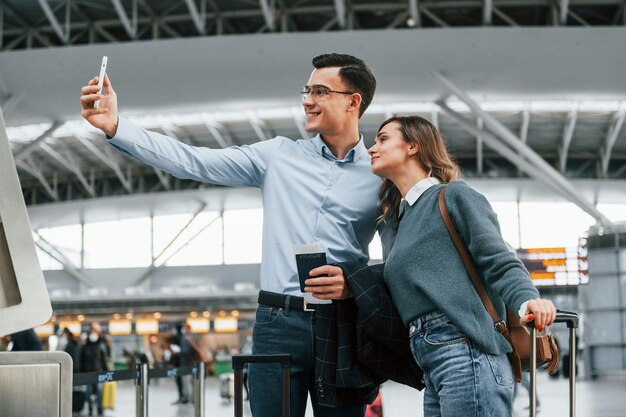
<point x="278" y="330"/>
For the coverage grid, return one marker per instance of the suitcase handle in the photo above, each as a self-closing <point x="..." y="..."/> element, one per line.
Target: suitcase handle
<point x="569" y="317"/>
<point x="562" y="316"/>
<point x="238" y="364"/>
<point x="240" y="360"/>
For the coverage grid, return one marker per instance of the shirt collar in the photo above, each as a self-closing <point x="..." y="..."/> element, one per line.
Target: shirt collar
<point x="353" y="154"/>
<point x="418" y="189"/>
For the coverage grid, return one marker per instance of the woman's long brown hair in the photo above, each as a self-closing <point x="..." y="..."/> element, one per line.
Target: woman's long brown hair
<point x="432" y="156"/>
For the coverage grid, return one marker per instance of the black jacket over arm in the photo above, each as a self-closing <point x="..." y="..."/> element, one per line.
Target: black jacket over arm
<point x="361" y="342"/>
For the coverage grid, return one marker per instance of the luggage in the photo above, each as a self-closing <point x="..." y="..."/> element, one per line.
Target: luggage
<point x="109" y="392"/>
<point x="227" y="386"/>
<point x="238" y="364"/>
<point x="571" y="319"/>
<point x="78" y="400"/>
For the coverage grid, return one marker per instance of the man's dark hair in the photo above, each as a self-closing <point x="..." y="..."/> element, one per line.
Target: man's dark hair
<point x="353" y="71"/>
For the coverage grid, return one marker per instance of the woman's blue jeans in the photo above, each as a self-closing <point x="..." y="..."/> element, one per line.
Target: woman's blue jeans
<point x="460" y="379"/>
<point x="279" y="330"/>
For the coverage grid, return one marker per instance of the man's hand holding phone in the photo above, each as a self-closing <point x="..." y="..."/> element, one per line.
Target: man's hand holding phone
<point x="104" y="117"/>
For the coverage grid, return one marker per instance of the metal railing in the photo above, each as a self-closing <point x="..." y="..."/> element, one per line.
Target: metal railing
<point x="142" y="376"/>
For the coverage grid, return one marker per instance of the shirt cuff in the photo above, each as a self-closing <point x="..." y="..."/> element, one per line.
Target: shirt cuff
<point x="120" y="122"/>
<point x="522" y="309"/>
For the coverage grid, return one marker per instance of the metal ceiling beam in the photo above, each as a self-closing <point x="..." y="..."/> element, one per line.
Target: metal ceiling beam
<point x="578" y="18"/>
<point x="56" y="254"/>
<point x="414" y="13"/>
<point x="523" y="134"/>
<point x="148" y="271"/>
<point x="71" y="166"/>
<point x="268" y="14"/>
<point x="479" y="148"/>
<point x="401" y="19"/>
<point x="164" y="178"/>
<point x="257" y="125"/>
<point x="130" y="27"/>
<point x="105" y="34"/>
<point x="26" y="150"/>
<point x="491" y="140"/>
<point x="611" y="137"/>
<point x="504" y="17"/>
<point x="563" y="11"/>
<point x="33" y="170"/>
<point x="214" y="128"/>
<point x="496" y="144"/>
<point x="108" y="161"/>
<point x="549" y="175"/>
<point x="54" y="21"/>
<point x="198" y="17"/>
<point x="487" y="12"/>
<point x="194" y="216"/>
<point x="433" y="17"/>
<point x="177" y="133"/>
<point x="340" y="10"/>
<point x="568" y="133"/>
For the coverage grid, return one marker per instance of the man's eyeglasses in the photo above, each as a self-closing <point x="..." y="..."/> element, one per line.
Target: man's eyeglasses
<point x="319" y="91"/>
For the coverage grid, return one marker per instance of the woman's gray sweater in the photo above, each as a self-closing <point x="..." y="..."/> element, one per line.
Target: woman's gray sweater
<point x="424" y="271"/>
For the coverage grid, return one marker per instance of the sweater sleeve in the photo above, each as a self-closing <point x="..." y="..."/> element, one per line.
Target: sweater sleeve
<point x="478" y="226"/>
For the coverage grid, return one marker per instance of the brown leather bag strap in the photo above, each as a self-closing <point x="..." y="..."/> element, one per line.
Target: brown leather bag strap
<point x="499" y="324"/>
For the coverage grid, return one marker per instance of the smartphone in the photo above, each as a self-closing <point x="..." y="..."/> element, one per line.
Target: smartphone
<point x="103" y="70"/>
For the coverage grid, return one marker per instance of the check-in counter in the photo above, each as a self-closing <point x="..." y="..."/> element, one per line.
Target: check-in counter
<point x="24" y="300"/>
<point x="35" y="384"/>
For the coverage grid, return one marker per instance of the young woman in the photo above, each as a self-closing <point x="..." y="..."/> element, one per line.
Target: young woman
<point x="453" y="339"/>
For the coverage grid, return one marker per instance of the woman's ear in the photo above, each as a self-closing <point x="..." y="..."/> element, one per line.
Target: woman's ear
<point x="413" y="149"/>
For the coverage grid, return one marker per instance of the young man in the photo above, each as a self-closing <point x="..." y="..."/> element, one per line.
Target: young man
<point x="318" y="191"/>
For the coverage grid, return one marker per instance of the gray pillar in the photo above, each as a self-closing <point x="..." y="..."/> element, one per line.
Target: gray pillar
<point x="603" y="302"/>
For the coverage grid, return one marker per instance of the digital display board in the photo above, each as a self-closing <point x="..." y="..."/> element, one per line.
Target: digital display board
<point x="556" y="266"/>
<point x="120" y="327"/>
<point x="147" y="326"/>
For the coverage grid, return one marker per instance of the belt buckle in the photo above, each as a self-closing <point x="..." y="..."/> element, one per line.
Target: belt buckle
<point x="305" y="306"/>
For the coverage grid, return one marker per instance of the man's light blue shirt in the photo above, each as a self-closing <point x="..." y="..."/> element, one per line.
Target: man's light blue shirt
<point x="309" y="196"/>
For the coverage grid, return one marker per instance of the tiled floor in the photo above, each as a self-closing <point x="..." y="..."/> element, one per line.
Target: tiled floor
<point x="603" y="398"/>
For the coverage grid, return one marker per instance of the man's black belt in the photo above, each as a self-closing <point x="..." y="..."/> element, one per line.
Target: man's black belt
<point x="275" y="299"/>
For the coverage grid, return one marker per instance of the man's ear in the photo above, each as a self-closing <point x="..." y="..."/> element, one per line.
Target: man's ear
<point x="355" y="102"/>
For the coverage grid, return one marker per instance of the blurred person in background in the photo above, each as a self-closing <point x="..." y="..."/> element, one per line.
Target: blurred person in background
<point x="93" y="358"/>
<point x="24" y="341"/>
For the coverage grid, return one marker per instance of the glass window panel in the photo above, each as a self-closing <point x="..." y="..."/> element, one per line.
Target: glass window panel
<point x="118" y="244"/>
<point x="509" y="224"/>
<point x="205" y="246"/>
<point x="66" y="239"/>
<point x="47" y="262"/>
<point x="165" y="228"/>
<point x="614" y="212"/>
<point x="242" y="236"/>
<point x="552" y="224"/>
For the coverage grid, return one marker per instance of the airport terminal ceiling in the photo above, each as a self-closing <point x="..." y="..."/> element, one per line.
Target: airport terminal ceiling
<point x="549" y="72"/>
